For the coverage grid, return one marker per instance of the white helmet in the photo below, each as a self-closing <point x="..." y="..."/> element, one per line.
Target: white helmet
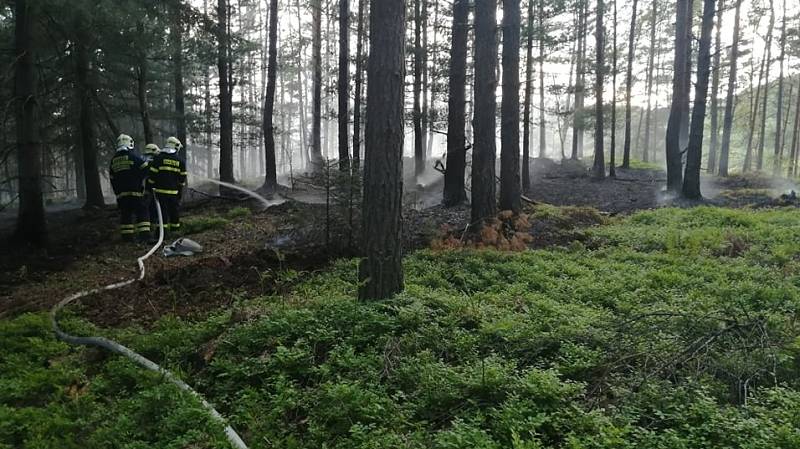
<point x="174" y="143"/>
<point x="125" y="141"/>
<point x="151" y="149"/>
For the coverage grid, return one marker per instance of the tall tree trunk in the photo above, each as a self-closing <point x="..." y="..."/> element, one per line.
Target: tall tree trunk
<point x="777" y="152"/>
<point x="301" y="89"/>
<point x="687" y="78"/>
<point x="316" y="62"/>
<point x="419" y="157"/>
<point x="209" y="127"/>
<point x="359" y="84"/>
<point x="751" y="129"/>
<point x="484" y="153"/>
<point x="94" y="192"/>
<point x="542" y="123"/>
<point x="673" y="148"/>
<point x="141" y="77"/>
<point x="225" y="95"/>
<point x="381" y="269"/>
<point x="713" y="143"/>
<point x="31" y="223"/>
<point x="694" y="155"/>
<point x="526" y="115"/>
<point x="454" y="192"/>
<point x="795" y="149"/>
<point x="727" y="122"/>
<point x="626" y="151"/>
<point x="268" y="126"/>
<point x="510" y="190"/>
<point x="177" y="55"/>
<point x="612" y="163"/>
<point x="577" y="123"/>
<point x="599" y="166"/>
<point x="431" y="108"/>
<point x="344" y="83"/>
<point x="424" y="109"/>
<point x="762" y="134"/>
<point x="650" y="68"/>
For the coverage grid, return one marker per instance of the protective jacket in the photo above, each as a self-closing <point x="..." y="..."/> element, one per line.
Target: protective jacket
<point x="127" y="172"/>
<point x="167" y="173"/>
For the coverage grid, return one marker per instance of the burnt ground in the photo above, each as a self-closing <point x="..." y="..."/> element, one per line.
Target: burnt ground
<point x="246" y="254"/>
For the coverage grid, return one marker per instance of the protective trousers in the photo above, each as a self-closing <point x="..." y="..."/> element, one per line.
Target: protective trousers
<point x="133" y="218"/>
<point x="170" y="211"/>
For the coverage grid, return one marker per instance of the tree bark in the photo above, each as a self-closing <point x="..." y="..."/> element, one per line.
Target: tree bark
<point x="526" y="127"/>
<point x="419" y="162"/>
<point x="713" y="142"/>
<point x="762" y="133"/>
<point x="694" y="155"/>
<point x="344" y="83"/>
<point x="542" y="122"/>
<point x="316" y="62"/>
<point x="577" y="122"/>
<point x="599" y="166"/>
<point x="510" y="190"/>
<point x="687" y="78"/>
<point x="359" y="85"/>
<point x="225" y="95"/>
<point x="431" y="108"/>
<point x="454" y="192"/>
<point x="31" y="224"/>
<point x="142" y="72"/>
<point x="751" y="129"/>
<point x="613" y="151"/>
<point x="484" y="202"/>
<point x="626" y="151"/>
<point x="381" y="269"/>
<point x="673" y="148"/>
<point x="727" y="122"/>
<point x="777" y="152"/>
<point x="795" y="149"/>
<point x="268" y="125"/>
<point x="94" y="192"/>
<point x="180" y="114"/>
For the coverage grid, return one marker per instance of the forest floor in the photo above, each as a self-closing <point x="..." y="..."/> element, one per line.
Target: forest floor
<point x="245" y="246"/>
<point x="669" y="328"/>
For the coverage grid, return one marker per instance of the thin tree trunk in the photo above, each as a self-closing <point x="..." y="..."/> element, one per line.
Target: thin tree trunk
<point x="454" y="192"/>
<point x="694" y="156"/>
<point x="316" y="62"/>
<point x="748" y="157"/>
<point x="795" y="148"/>
<point x="344" y="83"/>
<point x="419" y="162"/>
<point x="141" y="78"/>
<point x="762" y="134"/>
<point x="424" y="51"/>
<point x="714" y="141"/>
<point x="577" y="123"/>
<point x="687" y="79"/>
<point x="381" y="269"/>
<point x="271" y="177"/>
<point x="542" y="123"/>
<point x="526" y="115"/>
<point x="650" y="69"/>
<point x="31" y="223"/>
<point x="180" y="114"/>
<point x="777" y="152"/>
<point x="599" y="166"/>
<point x="94" y="192"/>
<point x="225" y="96"/>
<point x="612" y="163"/>
<point x="301" y="89"/>
<point x="431" y="108"/>
<point x="484" y="153"/>
<point x="510" y="190"/>
<point x="727" y="122"/>
<point x="626" y="151"/>
<point x="359" y="86"/>
<point x="673" y="148"/>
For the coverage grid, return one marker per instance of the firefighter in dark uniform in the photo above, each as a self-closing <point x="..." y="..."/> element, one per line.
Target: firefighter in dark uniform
<point x="167" y="179"/>
<point x="150" y="152"/>
<point x="127" y="172"/>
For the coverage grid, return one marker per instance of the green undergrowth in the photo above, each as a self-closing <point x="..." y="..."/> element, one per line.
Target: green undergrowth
<point x="198" y="224"/>
<point x="673" y="328"/>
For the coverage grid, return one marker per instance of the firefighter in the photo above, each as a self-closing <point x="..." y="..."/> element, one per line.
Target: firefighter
<point x="150" y="152"/>
<point x="167" y="179"/>
<point x="127" y="172"/>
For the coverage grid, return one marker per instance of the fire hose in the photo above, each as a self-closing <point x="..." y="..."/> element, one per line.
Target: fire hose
<point x="115" y="347"/>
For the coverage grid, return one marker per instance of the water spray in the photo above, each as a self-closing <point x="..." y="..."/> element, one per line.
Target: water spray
<point x="117" y="348"/>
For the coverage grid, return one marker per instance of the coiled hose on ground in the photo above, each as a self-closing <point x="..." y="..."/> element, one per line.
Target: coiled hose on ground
<point x="115" y="347"/>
